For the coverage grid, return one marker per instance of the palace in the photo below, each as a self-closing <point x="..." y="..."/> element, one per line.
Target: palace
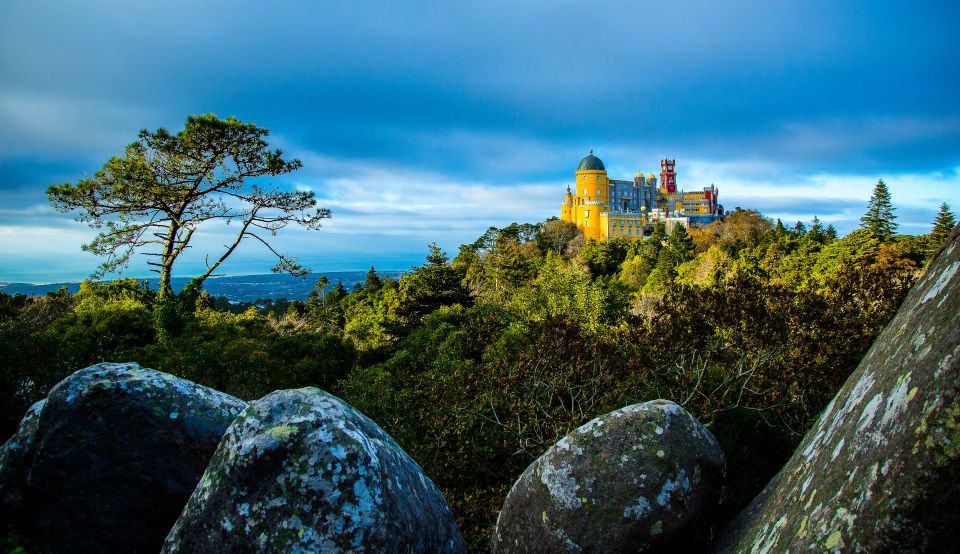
<point x="607" y="208"/>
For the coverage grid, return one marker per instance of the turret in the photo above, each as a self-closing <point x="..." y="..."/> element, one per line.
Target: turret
<point x="668" y="176"/>
<point x="566" y="207"/>
<point x="592" y="195"/>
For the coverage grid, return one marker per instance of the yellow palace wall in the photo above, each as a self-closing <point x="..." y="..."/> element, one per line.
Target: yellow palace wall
<point x="584" y="205"/>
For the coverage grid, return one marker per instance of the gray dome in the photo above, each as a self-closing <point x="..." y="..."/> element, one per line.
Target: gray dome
<point x="591" y="163"/>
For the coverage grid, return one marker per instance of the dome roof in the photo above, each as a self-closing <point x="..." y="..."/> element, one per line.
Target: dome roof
<point x="591" y="163"/>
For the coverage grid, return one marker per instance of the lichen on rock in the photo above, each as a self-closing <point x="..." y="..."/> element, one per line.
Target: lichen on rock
<point x="104" y="465"/>
<point x="301" y="470"/>
<point x="639" y="478"/>
<point x="880" y="469"/>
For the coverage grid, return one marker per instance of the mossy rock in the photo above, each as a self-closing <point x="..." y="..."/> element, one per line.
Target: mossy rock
<point x="302" y="471"/>
<point x="880" y="470"/>
<point x="108" y="461"/>
<point x="643" y="478"/>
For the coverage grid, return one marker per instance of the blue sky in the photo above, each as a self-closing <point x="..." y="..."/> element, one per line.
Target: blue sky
<point x="430" y="121"/>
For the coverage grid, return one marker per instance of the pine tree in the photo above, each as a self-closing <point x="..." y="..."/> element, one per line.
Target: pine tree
<point x="800" y="229"/>
<point x="879" y="218"/>
<point x="681" y="244"/>
<point x="779" y="228"/>
<point x="830" y="234"/>
<point x="319" y="291"/>
<point x="373" y="281"/>
<point x="816" y="231"/>
<point x="942" y="226"/>
<point x="659" y="234"/>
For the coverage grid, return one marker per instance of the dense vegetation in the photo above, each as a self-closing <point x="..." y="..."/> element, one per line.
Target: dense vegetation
<point x="479" y="363"/>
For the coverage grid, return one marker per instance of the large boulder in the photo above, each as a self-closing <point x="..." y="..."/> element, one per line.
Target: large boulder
<point x="302" y="471"/>
<point x="107" y="463"/>
<point x="880" y="470"/>
<point x="15" y="458"/>
<point x="645" y="477"/>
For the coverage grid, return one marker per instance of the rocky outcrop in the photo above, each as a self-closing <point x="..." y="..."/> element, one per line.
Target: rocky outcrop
<point x="880" y="470"/>
<point x="637" y="479"/>
<point x="301" y="470"/>
<point x="115" y="452"/>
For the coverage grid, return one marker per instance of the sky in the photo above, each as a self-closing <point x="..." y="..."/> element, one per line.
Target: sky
<point x="422" y="122"/>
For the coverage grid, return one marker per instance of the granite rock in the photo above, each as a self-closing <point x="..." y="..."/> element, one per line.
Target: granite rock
<point x="302" y="471"/>
<point x="880" y="469"/>
<point x="108" y="461"/>
<point x="642" y="478"/>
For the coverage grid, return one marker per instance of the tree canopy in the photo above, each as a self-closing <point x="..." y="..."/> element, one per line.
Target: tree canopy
<point x="154" y="197"/>
<point x="476" y="366"/>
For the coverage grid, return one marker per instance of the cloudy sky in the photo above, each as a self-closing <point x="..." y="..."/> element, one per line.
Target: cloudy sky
<point x="431" y="121"/>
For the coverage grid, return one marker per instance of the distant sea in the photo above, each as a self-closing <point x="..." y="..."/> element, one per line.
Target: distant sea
<point x="241" y="288"/>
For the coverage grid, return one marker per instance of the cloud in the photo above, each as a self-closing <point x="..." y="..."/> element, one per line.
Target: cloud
<point x="840" y="199"/>
<point x="370" y="196"/>
<point x="419" y="121"/>
<point x="64" y="126"/>
<point x="28" y="211"/>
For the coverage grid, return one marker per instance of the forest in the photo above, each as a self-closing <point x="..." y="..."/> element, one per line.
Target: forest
<point x="479" y="360"/>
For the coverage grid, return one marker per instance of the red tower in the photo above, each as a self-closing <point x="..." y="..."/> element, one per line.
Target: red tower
<point x="668" y="177"/>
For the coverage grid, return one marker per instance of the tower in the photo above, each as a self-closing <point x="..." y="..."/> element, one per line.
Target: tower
<point x="668" y="177"/>
<point x="590" y="198"/>
<point x="604" y="208"/>
<point x="566" y="208"/>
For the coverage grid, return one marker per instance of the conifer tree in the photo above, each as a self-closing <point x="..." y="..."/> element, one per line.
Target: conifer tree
<point x="166" y="186"/>
<point x="800" y="229"/>
<point x="373" y="281"/>
<point x="942" y="226"/>
<point x="879" y="218"/>
<point x="830" y="234"/>
<point x="779" y="228"/>
<point x="681" y="244"/>
<point x="816" y="232"/>
<point x="338" y="293"/>
<point x="319" y="291"/>
<point x="659" y="233"/>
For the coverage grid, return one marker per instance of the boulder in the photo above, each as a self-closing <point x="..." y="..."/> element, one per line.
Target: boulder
<point x="880" y="469"/>
<point x="116" y="451"/>
<point x="641" y="478"/>
<point x="15" y="458"/>
<point x="302" y="471"/>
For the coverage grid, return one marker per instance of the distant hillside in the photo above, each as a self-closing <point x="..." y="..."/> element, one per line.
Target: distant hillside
<point x="240" y="288"/>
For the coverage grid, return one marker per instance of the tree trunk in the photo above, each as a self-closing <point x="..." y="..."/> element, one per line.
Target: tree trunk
<point x="166" y="261"/>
